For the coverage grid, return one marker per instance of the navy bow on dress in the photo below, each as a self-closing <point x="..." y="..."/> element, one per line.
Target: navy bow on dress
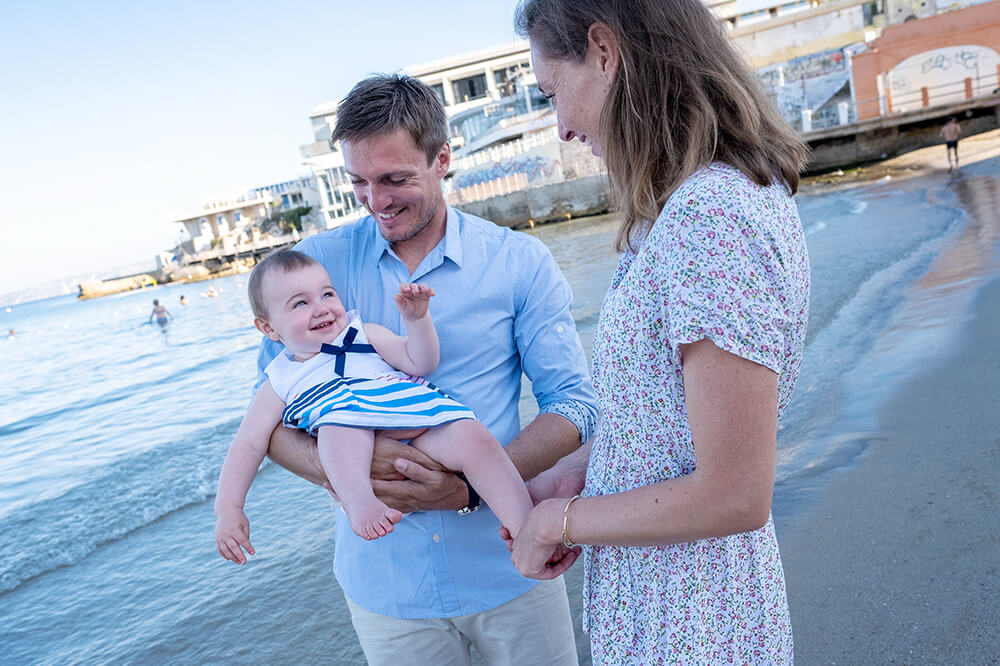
<point x="340" y="351"/>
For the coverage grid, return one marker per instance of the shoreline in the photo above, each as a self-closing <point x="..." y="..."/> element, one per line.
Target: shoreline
<point x="896" y="557"/>
<point x="898" y="561"/>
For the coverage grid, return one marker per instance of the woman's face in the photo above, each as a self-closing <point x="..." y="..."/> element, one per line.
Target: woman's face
<point x="578" y="91"/>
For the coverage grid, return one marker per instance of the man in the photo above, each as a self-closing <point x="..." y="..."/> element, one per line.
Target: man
<point x="443" y="579"/>
<point x="951" y="133"/>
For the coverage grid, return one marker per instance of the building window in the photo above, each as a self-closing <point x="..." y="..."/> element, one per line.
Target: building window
<point x="284" y="202"/>
<point x="238" y="215"/>
<point x="321" y="129"/>
<point x="438" y="89"/>
<point x="296" y="198"/>
<point x="472" y="87"/>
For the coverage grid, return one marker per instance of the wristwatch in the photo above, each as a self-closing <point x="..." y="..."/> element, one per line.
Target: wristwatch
<point x="474" y="499"/>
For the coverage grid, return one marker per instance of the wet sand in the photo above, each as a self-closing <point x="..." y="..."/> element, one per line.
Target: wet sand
<point x="897" y="561"/>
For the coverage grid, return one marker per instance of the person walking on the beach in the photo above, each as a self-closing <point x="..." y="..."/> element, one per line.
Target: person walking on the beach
<point x="444" y="580"/>
<point x="340" y="378"/>
<point x="951" y="132"/>
<point x="699" y="340"/>
<point x="161" y="314"/>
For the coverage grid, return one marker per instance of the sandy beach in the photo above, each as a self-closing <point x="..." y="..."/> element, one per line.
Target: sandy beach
<point x="897" y="559"/>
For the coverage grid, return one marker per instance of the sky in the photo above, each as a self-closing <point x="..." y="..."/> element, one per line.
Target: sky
<point x="117" y="116"/>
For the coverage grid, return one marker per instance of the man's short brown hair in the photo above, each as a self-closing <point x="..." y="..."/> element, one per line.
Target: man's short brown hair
<point x="386" y="103"/>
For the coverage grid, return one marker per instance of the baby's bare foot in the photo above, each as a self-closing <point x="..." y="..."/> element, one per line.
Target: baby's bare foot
<point x="371" y="519"/>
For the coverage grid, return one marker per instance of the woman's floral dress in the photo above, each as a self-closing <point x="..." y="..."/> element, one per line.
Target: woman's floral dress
<point x="725" y="261"/>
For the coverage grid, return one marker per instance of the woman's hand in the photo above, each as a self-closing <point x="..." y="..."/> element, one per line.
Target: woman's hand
<point x="538" y="551"/>
<point x="564" y="479"/>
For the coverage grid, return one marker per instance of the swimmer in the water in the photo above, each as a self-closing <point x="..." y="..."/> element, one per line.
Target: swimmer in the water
<point x="184" y="301"/>
<point x="211" y="293"/>
<point x="161" y="313"/>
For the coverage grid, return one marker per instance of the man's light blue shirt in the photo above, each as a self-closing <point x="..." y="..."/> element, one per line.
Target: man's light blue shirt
<point x="501" y="306"/>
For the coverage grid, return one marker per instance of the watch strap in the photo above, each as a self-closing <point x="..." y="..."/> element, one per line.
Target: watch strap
<point x="474" y="499"/>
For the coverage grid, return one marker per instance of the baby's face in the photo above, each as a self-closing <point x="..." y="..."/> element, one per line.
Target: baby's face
<point x="303" y="310"/>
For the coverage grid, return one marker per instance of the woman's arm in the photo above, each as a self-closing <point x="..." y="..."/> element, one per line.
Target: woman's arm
<point x="732" y="410"/>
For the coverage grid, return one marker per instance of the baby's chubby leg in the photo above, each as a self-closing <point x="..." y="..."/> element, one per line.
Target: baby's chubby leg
<point x="346" y="455"/>
<point x="467" y="446"/>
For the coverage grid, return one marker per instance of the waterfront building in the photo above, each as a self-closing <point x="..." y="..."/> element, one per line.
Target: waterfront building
<point x="244" y="223"/>
<point x="503" y="133"/>
<point x="942" y="59"/>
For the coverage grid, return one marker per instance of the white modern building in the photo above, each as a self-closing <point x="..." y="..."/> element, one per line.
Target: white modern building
<point x="227" y="223"/>
<point x="501" y="125"/>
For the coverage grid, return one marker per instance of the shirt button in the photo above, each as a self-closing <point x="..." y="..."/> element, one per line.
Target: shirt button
<point x="436" y="537"/>
<point x="559" y="329"/>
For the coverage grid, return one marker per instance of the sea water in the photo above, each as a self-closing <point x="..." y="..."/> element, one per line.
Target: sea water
<point x="112" y="432"/>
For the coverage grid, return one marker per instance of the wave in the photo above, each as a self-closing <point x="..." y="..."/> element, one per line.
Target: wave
<point x="815" y="228"/>
<point x="837" y="356"/>
<point x="76" y="408"/>
<point x="130" y="494"/>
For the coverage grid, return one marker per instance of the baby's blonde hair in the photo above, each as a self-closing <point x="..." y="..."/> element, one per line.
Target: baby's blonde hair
<point x="284" y="260"/>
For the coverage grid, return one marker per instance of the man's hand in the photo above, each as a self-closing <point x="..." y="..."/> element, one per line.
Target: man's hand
<point x="554" y="482"/>
<point x="408" y="480"/>
<point x="402" y="476"/>
<point x="564" y="479"/>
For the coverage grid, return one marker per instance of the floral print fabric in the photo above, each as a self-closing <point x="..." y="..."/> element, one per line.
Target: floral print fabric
<point x="726" y="261"/>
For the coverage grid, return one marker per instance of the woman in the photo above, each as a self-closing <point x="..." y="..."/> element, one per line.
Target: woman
<point x="699" y="340"/>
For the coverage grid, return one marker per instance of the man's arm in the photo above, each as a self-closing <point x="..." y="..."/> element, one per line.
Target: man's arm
<point x="542" y="442"/>
<point x="407" y="480"/>
<point x="402" y="476"/>
<point x="553" y="360"/>
<point x="296" y="451"/>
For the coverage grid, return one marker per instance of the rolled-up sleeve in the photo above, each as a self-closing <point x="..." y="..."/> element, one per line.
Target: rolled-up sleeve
<point x="551" y="353"/>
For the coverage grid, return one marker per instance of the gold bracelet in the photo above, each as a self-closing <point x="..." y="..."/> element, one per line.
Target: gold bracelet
<point x="566" y="541"/>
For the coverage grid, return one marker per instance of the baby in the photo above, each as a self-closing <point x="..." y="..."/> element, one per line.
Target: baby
<point x="342" y="379"/>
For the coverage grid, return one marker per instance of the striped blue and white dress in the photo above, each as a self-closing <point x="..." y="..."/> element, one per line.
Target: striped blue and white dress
<point x="349" y="384"/>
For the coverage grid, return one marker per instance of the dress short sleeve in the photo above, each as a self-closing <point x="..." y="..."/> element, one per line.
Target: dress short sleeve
<point x="721" y="269"/>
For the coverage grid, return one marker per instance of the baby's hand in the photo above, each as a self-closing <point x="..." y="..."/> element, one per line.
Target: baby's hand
<point x="232" y="536"/>
<point x="412" y="300"/>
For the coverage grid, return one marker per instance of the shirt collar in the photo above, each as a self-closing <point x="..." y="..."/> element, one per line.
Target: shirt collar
<point x="452" y="239"/>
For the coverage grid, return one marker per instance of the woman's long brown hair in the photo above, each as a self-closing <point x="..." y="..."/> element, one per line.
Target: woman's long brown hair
<point x="682" y="97"/>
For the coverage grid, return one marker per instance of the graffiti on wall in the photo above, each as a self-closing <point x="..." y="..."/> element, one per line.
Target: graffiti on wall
<point x="539" y="169"/>
<point x="808" y="82"/>
<point x="943" y="73"/>
<point x="798" y="69"/>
